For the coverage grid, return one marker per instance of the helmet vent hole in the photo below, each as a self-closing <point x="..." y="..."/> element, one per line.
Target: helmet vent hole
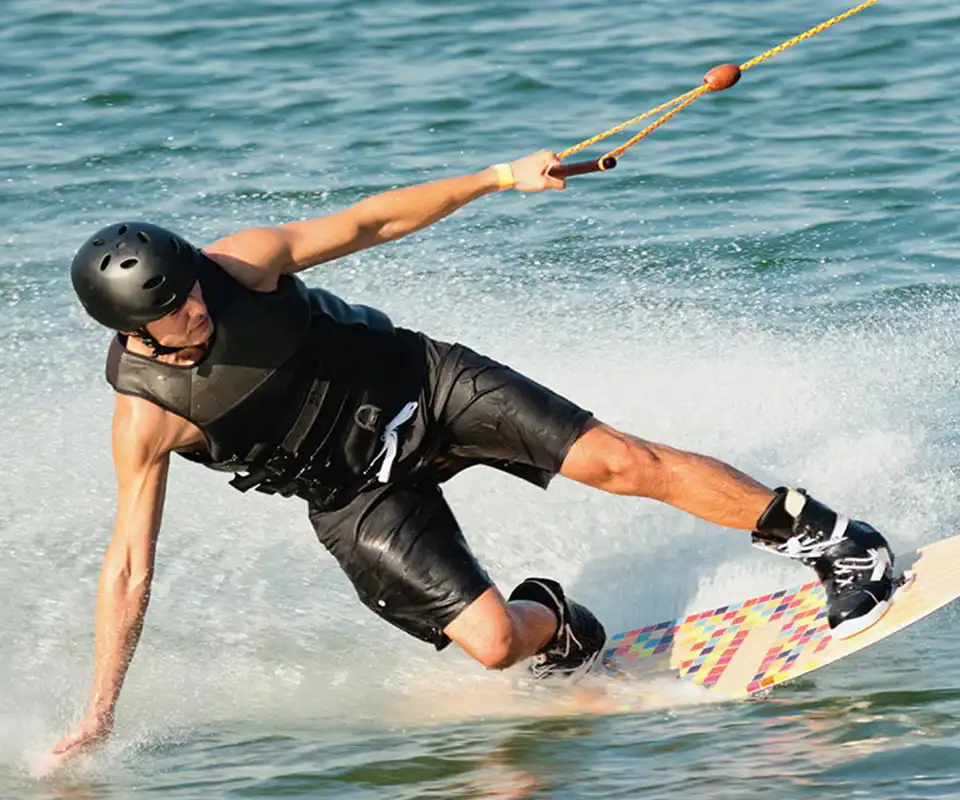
<point x="98" y="242"/>
<point x="154" y="282"/>
<point x="104" y="262"/>
<point x="122" y="230"/>
<point x="176" y="244"/>
<point x="168" y="302"/>
<point x="128" y="262"/>
<point x="142" y="236"/>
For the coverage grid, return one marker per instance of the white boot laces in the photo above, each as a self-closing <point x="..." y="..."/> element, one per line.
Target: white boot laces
<point x="847" y="571"/>
<point x="808" y="546"/>
<point x="565" y="643"/>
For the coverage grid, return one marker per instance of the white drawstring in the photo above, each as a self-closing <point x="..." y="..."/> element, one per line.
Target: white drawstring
<point x="391" y="441"/>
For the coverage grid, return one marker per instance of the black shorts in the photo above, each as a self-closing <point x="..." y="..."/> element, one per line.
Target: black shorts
<point x="399" y="542"/>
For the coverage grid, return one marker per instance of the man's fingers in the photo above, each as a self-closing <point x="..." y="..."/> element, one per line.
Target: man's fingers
<point x="552" y="182"/>
<point x="76" y="742"/>
<point x="64" y="747"/>
<point x="45" y="765"/>
<point x="532" y="172"/>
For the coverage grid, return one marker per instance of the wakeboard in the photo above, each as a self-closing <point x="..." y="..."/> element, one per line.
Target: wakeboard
<point x="749" y="647"/>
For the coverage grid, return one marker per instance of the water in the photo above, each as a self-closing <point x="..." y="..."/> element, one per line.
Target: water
<point x="771" y="278"/>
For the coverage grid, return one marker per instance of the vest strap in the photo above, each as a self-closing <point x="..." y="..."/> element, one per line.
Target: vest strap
<point x="282" y="473"/>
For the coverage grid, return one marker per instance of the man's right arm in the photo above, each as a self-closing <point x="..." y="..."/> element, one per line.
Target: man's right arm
<point x="257" y="257"/>
<point x="141" y="455"/>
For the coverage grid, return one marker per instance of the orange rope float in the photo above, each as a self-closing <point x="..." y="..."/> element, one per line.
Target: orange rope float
<point x="716" y="80"/>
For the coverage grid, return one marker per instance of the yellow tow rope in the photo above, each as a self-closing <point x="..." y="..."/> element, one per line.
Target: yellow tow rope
<point x="716" y="80"/>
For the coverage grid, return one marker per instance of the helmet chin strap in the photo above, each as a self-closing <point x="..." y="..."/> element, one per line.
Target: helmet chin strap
<point x="158" y="349"/>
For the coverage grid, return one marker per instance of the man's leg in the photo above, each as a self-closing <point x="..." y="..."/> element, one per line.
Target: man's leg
<point x="538" y="620"/>
<point x="623" y="464"/>
<point x="403" y="550"/>
<point x="854" y="562"/>
<point x="498" y="634"/>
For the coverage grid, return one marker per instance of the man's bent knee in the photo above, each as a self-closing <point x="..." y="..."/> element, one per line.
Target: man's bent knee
<point x="497" y="653"/>
<point x="485" y="630"/>
<point x="616" y="462"/>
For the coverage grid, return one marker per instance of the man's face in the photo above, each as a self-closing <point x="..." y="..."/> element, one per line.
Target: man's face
<point x="188" y="326"/>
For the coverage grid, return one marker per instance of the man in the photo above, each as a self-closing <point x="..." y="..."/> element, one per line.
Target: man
<point x="224" y="357"/>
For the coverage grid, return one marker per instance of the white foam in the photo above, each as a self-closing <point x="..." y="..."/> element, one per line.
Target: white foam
<point x="250" y="619"/>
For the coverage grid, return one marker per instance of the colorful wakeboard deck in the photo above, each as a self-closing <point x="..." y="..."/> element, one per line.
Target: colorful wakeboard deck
<point x="747" y="647"/>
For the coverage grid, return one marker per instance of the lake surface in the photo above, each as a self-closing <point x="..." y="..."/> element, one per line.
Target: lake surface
<point x="771" y="278"/>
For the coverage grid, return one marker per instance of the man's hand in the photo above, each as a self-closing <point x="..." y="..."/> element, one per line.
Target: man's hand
<point x="91" y="732"/>
<point x="530" y="172"/>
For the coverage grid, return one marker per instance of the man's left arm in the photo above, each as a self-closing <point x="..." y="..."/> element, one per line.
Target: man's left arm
<point x="258" y="256"/>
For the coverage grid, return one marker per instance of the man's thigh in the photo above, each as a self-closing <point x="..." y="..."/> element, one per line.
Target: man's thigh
<point x="488" y="413"/>
<point x="403" y="550"/>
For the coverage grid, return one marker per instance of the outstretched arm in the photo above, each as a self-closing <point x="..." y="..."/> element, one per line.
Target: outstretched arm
<point x="258" y="256"/>
<point x="141" y="462"/>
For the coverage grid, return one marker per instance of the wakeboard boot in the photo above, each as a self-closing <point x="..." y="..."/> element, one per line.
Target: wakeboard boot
<point x="852" y="560"/>
<point x="579" y="640"/>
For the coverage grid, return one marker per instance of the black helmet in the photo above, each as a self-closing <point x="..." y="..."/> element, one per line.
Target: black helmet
<point x="132" y="273"/>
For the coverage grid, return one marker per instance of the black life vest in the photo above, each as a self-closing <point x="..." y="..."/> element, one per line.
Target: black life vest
<point x="294" y="392"/>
